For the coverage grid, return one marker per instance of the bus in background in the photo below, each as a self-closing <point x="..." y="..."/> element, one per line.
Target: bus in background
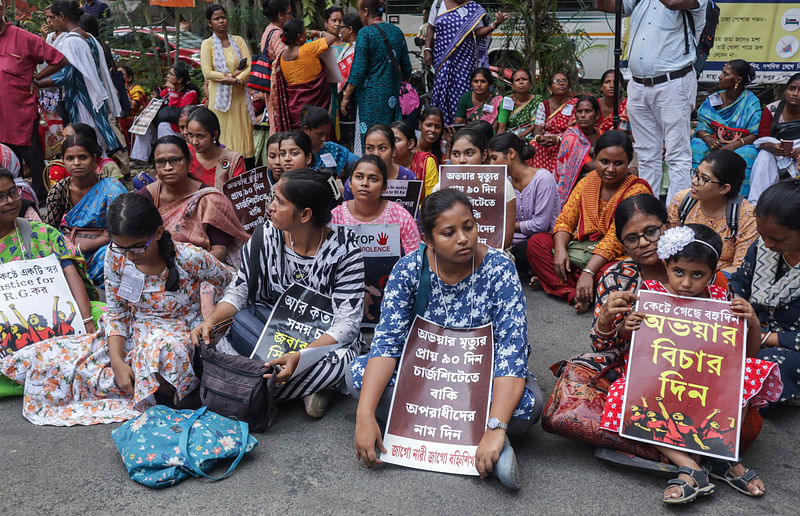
<point x="595" y="48"/>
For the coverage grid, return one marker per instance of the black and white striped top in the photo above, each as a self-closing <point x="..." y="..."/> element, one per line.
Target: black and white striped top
<point x="337" y="270"/>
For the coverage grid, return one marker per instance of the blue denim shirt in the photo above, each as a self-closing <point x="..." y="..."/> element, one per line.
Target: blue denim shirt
<point x="656" y="42"/>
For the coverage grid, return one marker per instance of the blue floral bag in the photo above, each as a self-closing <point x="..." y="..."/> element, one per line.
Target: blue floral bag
<point x="164" y="446"/>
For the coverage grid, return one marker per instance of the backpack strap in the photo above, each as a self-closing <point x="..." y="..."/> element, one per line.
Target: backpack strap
<point x="732" y="210"/>
<point x="685" y="207"/>
<point x="253" y="272"/>
<point x="25" y="233"/>
<point x="424" y="287"/>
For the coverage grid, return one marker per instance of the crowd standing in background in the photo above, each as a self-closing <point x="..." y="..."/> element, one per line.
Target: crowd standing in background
<point x="585" y="218"/>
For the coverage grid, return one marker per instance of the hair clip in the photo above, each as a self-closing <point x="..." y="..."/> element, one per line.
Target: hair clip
<point x="337" y="194"/>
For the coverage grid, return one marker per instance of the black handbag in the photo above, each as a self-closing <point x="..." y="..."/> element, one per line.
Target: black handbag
<point x="248" y="323"/>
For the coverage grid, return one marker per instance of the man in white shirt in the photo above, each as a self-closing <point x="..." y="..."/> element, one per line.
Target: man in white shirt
<point x="661" y="95"/>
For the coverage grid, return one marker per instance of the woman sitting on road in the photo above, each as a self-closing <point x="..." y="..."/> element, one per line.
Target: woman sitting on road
<point x="520" y="120"/>
<point x="106" y="167"/>
<point x="431" y="127"/>
<point x="574" y="159"/>
<point x="553" y="117"/>
<point x="192" y="211"/>
<point x="769" y="279"/>
<point x="729" y="119"/>
<point x="583" y="242"/>
<point x="605" y="121"/>
<point x="210" y="164"/>
<point x="379" y="140"/>
<point x="81" y="201"/>
<point x="480" y="286"/>
<point x="479" y="103"/>
<point x="715" y="185"/>
<point x="328" y="155"/>
<point x="369" y="183"/>
<point x="298" y="246"/>
<point x="295" y="150"/>
<point x="535" y="192"/>
<point x="142" y="356"/>
<point x="422" y="164"/>
<point x="274" y="164"/>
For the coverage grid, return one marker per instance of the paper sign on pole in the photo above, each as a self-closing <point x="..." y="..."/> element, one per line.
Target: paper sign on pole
<point x="685" y="376"/>
<point x="407" y="193"/>
<point x="441" y="398"/>
<point x="485" y="185"/>
<point x="249" y="193"/>
<point x="35" y="304"/>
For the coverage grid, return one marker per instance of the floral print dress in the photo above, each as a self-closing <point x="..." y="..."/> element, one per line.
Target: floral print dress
<point x="69" y="380"/>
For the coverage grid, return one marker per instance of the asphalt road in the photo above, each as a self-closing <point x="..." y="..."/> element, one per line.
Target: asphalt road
<point x="303" y="466"/>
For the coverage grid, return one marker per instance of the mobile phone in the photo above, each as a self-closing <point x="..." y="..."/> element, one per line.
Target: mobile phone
<point x="787" y="146"/>
<point x="242" y="64"/>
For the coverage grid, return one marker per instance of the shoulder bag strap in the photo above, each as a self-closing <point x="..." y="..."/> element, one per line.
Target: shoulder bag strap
<point x="253" y="273"/>
<point x="266" y="41"/>
<point x="424" y="287"/>
<point x="685" y="207"/>
<point x="25" y="233"/>
<point x="732" y="215"/>
<point x="391" y="54"/>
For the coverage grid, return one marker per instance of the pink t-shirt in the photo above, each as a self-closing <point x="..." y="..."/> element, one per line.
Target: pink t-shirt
<point x="393" y="213"/>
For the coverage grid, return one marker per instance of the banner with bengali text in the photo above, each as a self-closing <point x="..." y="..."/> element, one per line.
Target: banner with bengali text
<point x="407" y="193"/>
<point x="685" y="376"/>
<point x="485" y="185"/>
<point x="35" y="304"/>
<point x="440" y="404"/>
<point x="300" y="316"/>
<point x="249" y="194"/>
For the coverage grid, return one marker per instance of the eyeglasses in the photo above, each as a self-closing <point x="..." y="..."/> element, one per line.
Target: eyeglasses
<point x="116" y="249"/>
<point x="651" y="234"/>
<point x="701" y="180"/>
<point x="560" y="81"/>
<point x="12" y="194"/>
<point x="174" y="162"/>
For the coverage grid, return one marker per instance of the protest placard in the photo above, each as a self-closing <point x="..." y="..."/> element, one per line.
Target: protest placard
<point x="440" y="403"/>
<point x="407" y="193"/>
<point x="381" y="248"/>
<point x="249" y="193"/>
<point x="299" y="317"/>
<point x="485" y="185"/>
<point x="142" y="122"/>
<point x="27" y="289"/>
<point x="685" y="375"/>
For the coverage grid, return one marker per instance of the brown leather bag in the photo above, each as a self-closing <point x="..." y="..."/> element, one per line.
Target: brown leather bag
<point x="88" y="237"/>
<point x="576" y="405"/>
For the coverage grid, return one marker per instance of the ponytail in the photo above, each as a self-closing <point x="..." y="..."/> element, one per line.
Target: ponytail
<point x="166" y="250"/>
<point x="507" y="141"/>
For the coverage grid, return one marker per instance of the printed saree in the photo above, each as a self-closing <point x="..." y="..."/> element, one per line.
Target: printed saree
<point x="572" y="156"/>
<point x="555" y="123"/>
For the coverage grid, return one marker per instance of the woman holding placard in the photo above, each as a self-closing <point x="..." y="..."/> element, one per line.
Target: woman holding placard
<point x="367" y="207"/>
<point x="470" y="285"/>
<point x="142" y="356"/>
<point x="297" y="246"/>
<point x="583" y="242"/>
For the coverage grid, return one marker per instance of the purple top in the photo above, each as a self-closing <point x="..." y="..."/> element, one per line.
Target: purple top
<point x="537" y="206"/>
<point x="402" y="173"/>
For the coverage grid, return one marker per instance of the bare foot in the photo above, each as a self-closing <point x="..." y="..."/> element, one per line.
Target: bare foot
<point x="580" y="307"/>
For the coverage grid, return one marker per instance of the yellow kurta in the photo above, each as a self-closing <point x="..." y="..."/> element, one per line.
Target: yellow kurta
<point x="236" y="129"/>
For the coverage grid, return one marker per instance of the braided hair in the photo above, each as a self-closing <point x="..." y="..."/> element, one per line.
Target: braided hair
<point x="133" y="215"/>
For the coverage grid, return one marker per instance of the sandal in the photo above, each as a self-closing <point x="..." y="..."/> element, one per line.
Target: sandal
<point x="688" y="492"/>
<point x="721" y="470"/>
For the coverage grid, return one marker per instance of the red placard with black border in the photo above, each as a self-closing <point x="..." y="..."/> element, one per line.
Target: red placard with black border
<point x="685" y="375"/>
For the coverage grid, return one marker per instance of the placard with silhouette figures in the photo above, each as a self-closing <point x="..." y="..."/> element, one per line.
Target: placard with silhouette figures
<point x="35" y="304"/>
<point x="485" y="185"/>
<point x="440" y="403"/>
<point x="300" y="316"/>
<point x="405" y="193"/>
<point x="685" y="375"/>
<point x="249" y="193"/>
<point x="381" y="248"/>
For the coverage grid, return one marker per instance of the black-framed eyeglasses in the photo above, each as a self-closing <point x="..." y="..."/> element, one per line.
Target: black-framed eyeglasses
<point x="651" y="234"/>
<point x="13" y="194"/>
<point x="117" y="249"/>
<point x="700" y="180"/>
<point x="174" y="161"/>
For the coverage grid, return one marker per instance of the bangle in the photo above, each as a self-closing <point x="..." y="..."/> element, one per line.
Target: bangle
<point x="537" y="138"/>
<point x="589" y="271"/>
<point x="88" y="319"/>
<point x="602" y="333"/>
<point x="741" y="140"/>
<point x="427" y="49"/>
<point x="765" y="337"/>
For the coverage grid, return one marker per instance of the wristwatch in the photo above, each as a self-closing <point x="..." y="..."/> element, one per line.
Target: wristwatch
<point x="496" y="423"/>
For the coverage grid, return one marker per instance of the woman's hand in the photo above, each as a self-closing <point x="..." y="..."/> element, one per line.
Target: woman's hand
<point x="368" y="436"/>
<point x="713" y="143"/>
<point x="584" y="290"/>
<point x="202" y="332"/>
<point x="90" y="327"/>
<point x="288" y="363"/>
<point x="228" y="79"/>
<point x="123" y="376"/>
<point x="548" y="140"/>
<point x="561" y="263"/>
<point x="500" y="18"/>
<point x="343" y="106"/>
<point x="427" y="57"/>
<point x="618" y="302"/>
<point x="633" y="321"/>
<point x="489" y="451"/>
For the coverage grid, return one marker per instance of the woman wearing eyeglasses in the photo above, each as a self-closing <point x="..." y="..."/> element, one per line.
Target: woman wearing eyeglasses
<point x="81" y="201"/>
<point x="143" y="355"/>
<point x="713" y="199"/>
<point x="192" y="212"/>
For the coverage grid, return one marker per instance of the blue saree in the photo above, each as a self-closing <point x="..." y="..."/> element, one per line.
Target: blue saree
<point x="729" y="124"/>
<point x="456" y="52"/>
<point x="91" y="212"/>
